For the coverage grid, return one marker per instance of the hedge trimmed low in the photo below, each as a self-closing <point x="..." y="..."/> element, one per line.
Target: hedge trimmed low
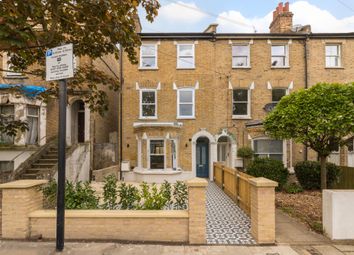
<point x="308" y="173"/>
<point x="269" y="168"/>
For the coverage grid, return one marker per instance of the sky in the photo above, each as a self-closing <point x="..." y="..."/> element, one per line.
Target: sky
<point x="248" y="16"/>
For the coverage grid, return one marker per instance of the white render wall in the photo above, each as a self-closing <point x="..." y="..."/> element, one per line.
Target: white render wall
<point x="338" y="211"/>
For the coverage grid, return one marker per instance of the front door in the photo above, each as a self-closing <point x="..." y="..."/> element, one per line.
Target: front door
<point x="202" y="159"/>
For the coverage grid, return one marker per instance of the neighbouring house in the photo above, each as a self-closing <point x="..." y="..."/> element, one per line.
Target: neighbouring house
<point x="195" y="98"/>
<point x="91" y="139"/>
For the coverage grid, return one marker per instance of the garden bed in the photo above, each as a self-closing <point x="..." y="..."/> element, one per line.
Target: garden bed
<point x="305" y="206"/>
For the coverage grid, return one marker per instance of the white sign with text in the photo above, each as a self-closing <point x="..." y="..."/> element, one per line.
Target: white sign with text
<point x="59" y="63"/>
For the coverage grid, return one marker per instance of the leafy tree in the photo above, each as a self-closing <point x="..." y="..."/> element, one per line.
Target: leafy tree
<point x="94" y="27"/>
<point x="321" y="117"/>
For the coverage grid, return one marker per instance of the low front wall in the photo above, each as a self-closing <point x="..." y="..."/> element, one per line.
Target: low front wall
<point x="23" y="217"/>
<point x="153" y="226"/>
<point x="337" y="210"/>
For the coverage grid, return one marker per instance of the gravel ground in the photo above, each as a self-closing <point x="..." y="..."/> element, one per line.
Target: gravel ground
<point x="306" y="206"/>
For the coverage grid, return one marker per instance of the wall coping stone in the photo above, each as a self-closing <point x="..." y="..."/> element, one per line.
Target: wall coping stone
<point x="112" y="214"/>
<point x="197" y="182"/>
<point x="263" y="182"/>
<point x="22" y="184"/>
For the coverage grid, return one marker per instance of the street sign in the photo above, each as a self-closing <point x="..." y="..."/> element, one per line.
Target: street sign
<point x="59" y="63"/>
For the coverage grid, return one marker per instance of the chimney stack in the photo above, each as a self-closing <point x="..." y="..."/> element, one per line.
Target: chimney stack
<point x="282" y="19"/>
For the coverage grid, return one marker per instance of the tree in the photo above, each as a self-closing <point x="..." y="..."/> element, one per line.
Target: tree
<point x="95" y="27"/>
<point x="321" y="117"/>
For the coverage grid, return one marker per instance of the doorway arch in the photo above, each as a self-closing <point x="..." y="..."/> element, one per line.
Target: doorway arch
<point x="78" y="121"/>
<point x="206" y="137"/>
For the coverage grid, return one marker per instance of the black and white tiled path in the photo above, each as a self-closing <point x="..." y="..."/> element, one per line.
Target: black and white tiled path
<point x="226" y="222"/>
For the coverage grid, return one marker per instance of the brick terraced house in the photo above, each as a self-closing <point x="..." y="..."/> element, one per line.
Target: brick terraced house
<point x="195" y="98"/>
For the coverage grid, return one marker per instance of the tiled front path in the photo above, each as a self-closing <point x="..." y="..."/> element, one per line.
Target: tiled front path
<point x="226" y="222"/>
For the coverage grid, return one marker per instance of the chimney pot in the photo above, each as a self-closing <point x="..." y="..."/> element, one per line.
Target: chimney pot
<point x="286" y="8"/>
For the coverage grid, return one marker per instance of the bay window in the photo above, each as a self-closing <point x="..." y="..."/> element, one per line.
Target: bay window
<point x="268" y="148"/>
<point x="157" y="154"/>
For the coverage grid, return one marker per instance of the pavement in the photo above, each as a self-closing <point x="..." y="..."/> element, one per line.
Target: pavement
<point x="48" y="248"/>
<point x="292" y="238"/>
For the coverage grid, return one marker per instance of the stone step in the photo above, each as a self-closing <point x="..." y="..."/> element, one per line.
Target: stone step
<point x="29" y="176"/>
<point x="49" y="156"/>
<point x="47" y="161"/>
<point x="38" y="170"/>
<point x="42" y="165"/>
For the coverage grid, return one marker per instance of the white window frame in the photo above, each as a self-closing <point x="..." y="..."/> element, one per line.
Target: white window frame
<point x="287" y="61"/>
<point x="179" y="116"/>
<point x="141" y="57"/>
<point x="248" y="56"/>
<point x="7" y="66"/>
<point x="248" y="115"/>
<point x="13" y="117"/>
<point x="179" y="55"/>
<point x="34" y="116"/>
<point x="286" y="93"/>
<point x="149" y="152"/>
<point x="141" y="104"/>
<point x="284" y="157"/>
<point x="339" y="56"/>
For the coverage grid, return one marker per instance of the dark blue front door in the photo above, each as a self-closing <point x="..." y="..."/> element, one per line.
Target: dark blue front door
<point x="202" y="158"/>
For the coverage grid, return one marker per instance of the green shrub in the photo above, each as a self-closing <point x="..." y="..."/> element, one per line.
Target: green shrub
<point x="129" y="196"/>
<point x="153" y="198"/>
<point x="110" y="192"/>
<point x="50" y="194"/>
<point x="308" y="173"/>
<point x="80" y="196"/>
<point x="269" y="168"/>
<point x="292" y="188"/>
<point x="180" y="194"/>
<point x="245" y="152"/>
<point x="166" y="190"/>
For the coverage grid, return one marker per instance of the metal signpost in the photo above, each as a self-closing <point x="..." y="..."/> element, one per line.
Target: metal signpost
<point x="59" y="66"/>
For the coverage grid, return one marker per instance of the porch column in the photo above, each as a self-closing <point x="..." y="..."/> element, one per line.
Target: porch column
<point x="20" y="114"/>
<point x="139" y="156"/>
<point x="87" y="123"/>
<point x="213" y="158"/>
<point x="42" y="140"/>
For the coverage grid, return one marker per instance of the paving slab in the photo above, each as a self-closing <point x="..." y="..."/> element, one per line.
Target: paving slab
<point x="345" y="248"/>
<point x="290" y="231"/>
<point x="327" y="250"/>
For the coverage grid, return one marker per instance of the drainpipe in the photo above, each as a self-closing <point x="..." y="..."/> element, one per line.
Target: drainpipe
<point x="121" y="111"/>
<point x="306" y="85"/>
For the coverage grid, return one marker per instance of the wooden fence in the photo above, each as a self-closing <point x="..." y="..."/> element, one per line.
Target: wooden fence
<point x="235" y="184"/>
<point x="346" y="178"/>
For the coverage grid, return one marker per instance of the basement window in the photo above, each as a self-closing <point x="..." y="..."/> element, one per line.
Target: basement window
<point x="280" y="56"/>
<point x="157" y="154"/>
<point x="333" y="55"/>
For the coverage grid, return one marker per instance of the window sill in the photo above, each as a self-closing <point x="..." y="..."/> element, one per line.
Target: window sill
<point x="15" y="77"/>
<point x="240" y="117"/>
<point x="147" y="118"/>
<point x="186" y="118"/>
<point x="241" y="67"/>
<point x="185" y="68"/>
<point x="334" y="67"/>
<point x="148" y="68"/>
<point x="280" y="67"/>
